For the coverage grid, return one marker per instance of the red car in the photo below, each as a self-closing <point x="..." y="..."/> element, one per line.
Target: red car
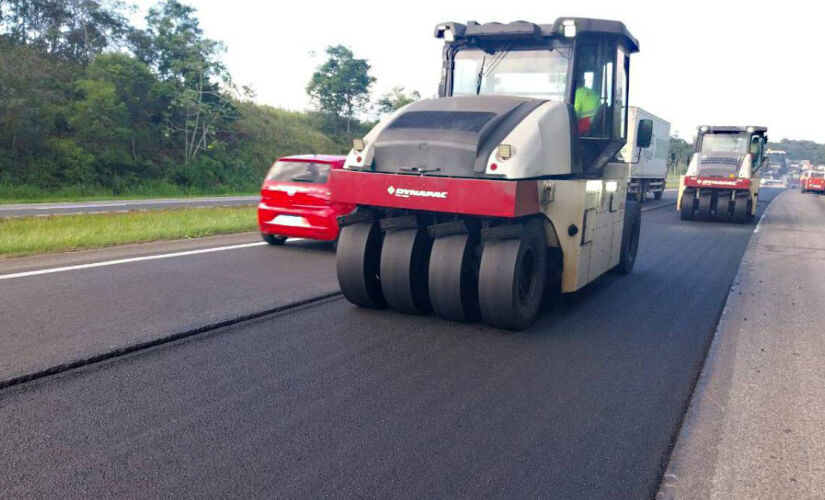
<point x="295" y="200"/>
<point x="813" y="181"/>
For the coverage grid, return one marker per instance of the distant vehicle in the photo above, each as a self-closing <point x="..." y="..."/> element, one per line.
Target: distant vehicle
<point x="777" y="162"/>
<point x="295" y="200"/>
<point x="773" y="182"/>
<point x="648" y="166"/>
<point x="813" y="181"/>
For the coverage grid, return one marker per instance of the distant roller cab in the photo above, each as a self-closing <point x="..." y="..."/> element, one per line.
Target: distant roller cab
<point x="295" y="200"/>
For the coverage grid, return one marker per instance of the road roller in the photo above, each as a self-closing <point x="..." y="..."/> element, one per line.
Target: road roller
<point x="505" y="188"/>
<point x="722" y="181"/>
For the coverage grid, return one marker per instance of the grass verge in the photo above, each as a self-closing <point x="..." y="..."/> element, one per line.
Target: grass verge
<point x="60" y="233"/>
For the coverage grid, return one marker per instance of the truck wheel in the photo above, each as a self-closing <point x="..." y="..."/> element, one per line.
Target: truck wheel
<point x="657" y="195"/>
<point x="740" y="209"/>
<point x="453" y="277"/>
<point x="511" y="278"/>
<point x="405" y="259"/>
<point x="705" y="205"/>
<point x="273" y="240"/>
<point x="630" y="238"/>
<point x="688" y="198"/>
<point x="359" y="251"/>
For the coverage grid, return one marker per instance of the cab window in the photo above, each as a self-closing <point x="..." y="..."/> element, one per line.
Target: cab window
<point x="593" y="97"/>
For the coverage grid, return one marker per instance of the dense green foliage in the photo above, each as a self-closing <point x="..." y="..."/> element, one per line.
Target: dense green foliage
<point x="90" y="104"/>
<point x="801" y="150"/>
<point x="395" y="99"/>
<point x="678" y="157"/>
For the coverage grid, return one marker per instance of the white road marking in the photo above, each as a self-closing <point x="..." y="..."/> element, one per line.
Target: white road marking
<point x="68" y="207"/>
<point x="127" y="261"/>
<point x="759" y="223"/>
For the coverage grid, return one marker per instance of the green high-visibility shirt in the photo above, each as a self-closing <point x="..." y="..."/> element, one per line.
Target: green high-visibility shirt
<point x="586" y="102"/>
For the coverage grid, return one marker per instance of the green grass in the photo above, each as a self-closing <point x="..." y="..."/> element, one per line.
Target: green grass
<point x="672" y="181"/>
<point x="60" y="233"/>
<point x="11" y="193"/>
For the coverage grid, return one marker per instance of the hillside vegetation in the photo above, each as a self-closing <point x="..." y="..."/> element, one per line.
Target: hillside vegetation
<point x="92" y="106"/>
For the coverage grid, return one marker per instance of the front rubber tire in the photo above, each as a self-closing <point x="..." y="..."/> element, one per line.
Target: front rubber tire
<point x="688" y="198"/>
<point x="721" y="209"/>
<point x="405" y="262"/>
<point x="273" y="240"/>
<point x="512" y="278"/>
<point x="357" y="265"/>
<point x="453" y="277"/>
<point x="741" y="209"/>
<point x="630" y="238"/>
<point x="705" y="206"/>
<point x="657" y="195"/>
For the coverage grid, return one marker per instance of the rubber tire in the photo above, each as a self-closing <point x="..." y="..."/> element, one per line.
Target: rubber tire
<point x="657" y="195"/>
<point x="721" y="214"/>
<point x="740" y="209"/>
<point x="273" y="240"/>
<point x="453" y="277"/>
<point x="687" y="204"/>
<point x="357" y="265"/>
<point x="405" y="262"/>
<point x="498" y="282"/>
<point x="631" y="232"/>
<point x="705" y="206"/>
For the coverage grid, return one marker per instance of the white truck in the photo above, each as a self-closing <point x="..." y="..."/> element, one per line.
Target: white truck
<point x="648" y="169"/>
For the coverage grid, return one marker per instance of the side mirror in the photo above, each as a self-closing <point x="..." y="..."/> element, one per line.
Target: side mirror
<point x="644" y="133"/>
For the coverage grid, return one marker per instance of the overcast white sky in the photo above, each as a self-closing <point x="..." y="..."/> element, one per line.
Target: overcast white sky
<point x="717" y="62"/>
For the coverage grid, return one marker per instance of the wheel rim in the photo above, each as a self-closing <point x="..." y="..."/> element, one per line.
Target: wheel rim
<point x="526" y="277"/>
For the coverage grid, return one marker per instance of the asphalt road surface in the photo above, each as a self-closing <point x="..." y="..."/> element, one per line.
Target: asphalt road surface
<point x="87" y="207"/>
<point x="327" y="399"/>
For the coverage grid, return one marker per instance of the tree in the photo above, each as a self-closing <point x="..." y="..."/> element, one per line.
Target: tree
<point x="191" y="72"/>
<point x="679" y="154"/>
<point x="76" y="30"/>
<point x="340" y="86"/>
<point x="395" y="99"/>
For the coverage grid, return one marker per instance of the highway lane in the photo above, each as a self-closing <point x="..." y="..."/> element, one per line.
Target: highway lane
<point x="330" y="400"/>
<point x="82" y="207"/>
<point x="55" y="318"/>
<point x="51" y="319"/>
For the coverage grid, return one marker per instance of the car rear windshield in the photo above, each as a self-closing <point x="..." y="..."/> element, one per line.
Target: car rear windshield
<point x="299" y="171"/>
<point x="817" y="175"/>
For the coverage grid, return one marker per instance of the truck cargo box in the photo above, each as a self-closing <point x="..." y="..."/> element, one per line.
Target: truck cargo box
<point x="648" y="165"/>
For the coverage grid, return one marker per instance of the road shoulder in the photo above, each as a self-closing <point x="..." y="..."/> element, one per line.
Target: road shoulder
<point x="756" y="424"/>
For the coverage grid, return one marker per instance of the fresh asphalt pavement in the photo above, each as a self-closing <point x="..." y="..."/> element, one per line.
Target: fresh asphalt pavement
<point x="327" y="399"/>
<point x="59" y="317"/>
<point x="85" y="207"/>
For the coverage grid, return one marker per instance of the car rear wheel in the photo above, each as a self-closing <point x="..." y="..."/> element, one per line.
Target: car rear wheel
<point x="273" y="240"/>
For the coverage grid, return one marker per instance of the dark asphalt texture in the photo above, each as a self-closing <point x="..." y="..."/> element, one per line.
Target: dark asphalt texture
<point x="330" y="400"/>
<point x="85" y="207"/>
<point x="56" y="318"/>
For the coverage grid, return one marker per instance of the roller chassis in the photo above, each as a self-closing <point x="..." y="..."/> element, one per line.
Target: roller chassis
<point x="461" y="259"/>
<point x="717" y="199"/>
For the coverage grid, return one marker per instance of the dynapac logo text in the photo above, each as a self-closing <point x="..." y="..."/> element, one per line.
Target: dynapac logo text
<point x="709" y="182"/>
<point x="407" y="193"/>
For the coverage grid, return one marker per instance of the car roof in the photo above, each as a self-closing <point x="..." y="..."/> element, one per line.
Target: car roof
<point x="315" y="158"/>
